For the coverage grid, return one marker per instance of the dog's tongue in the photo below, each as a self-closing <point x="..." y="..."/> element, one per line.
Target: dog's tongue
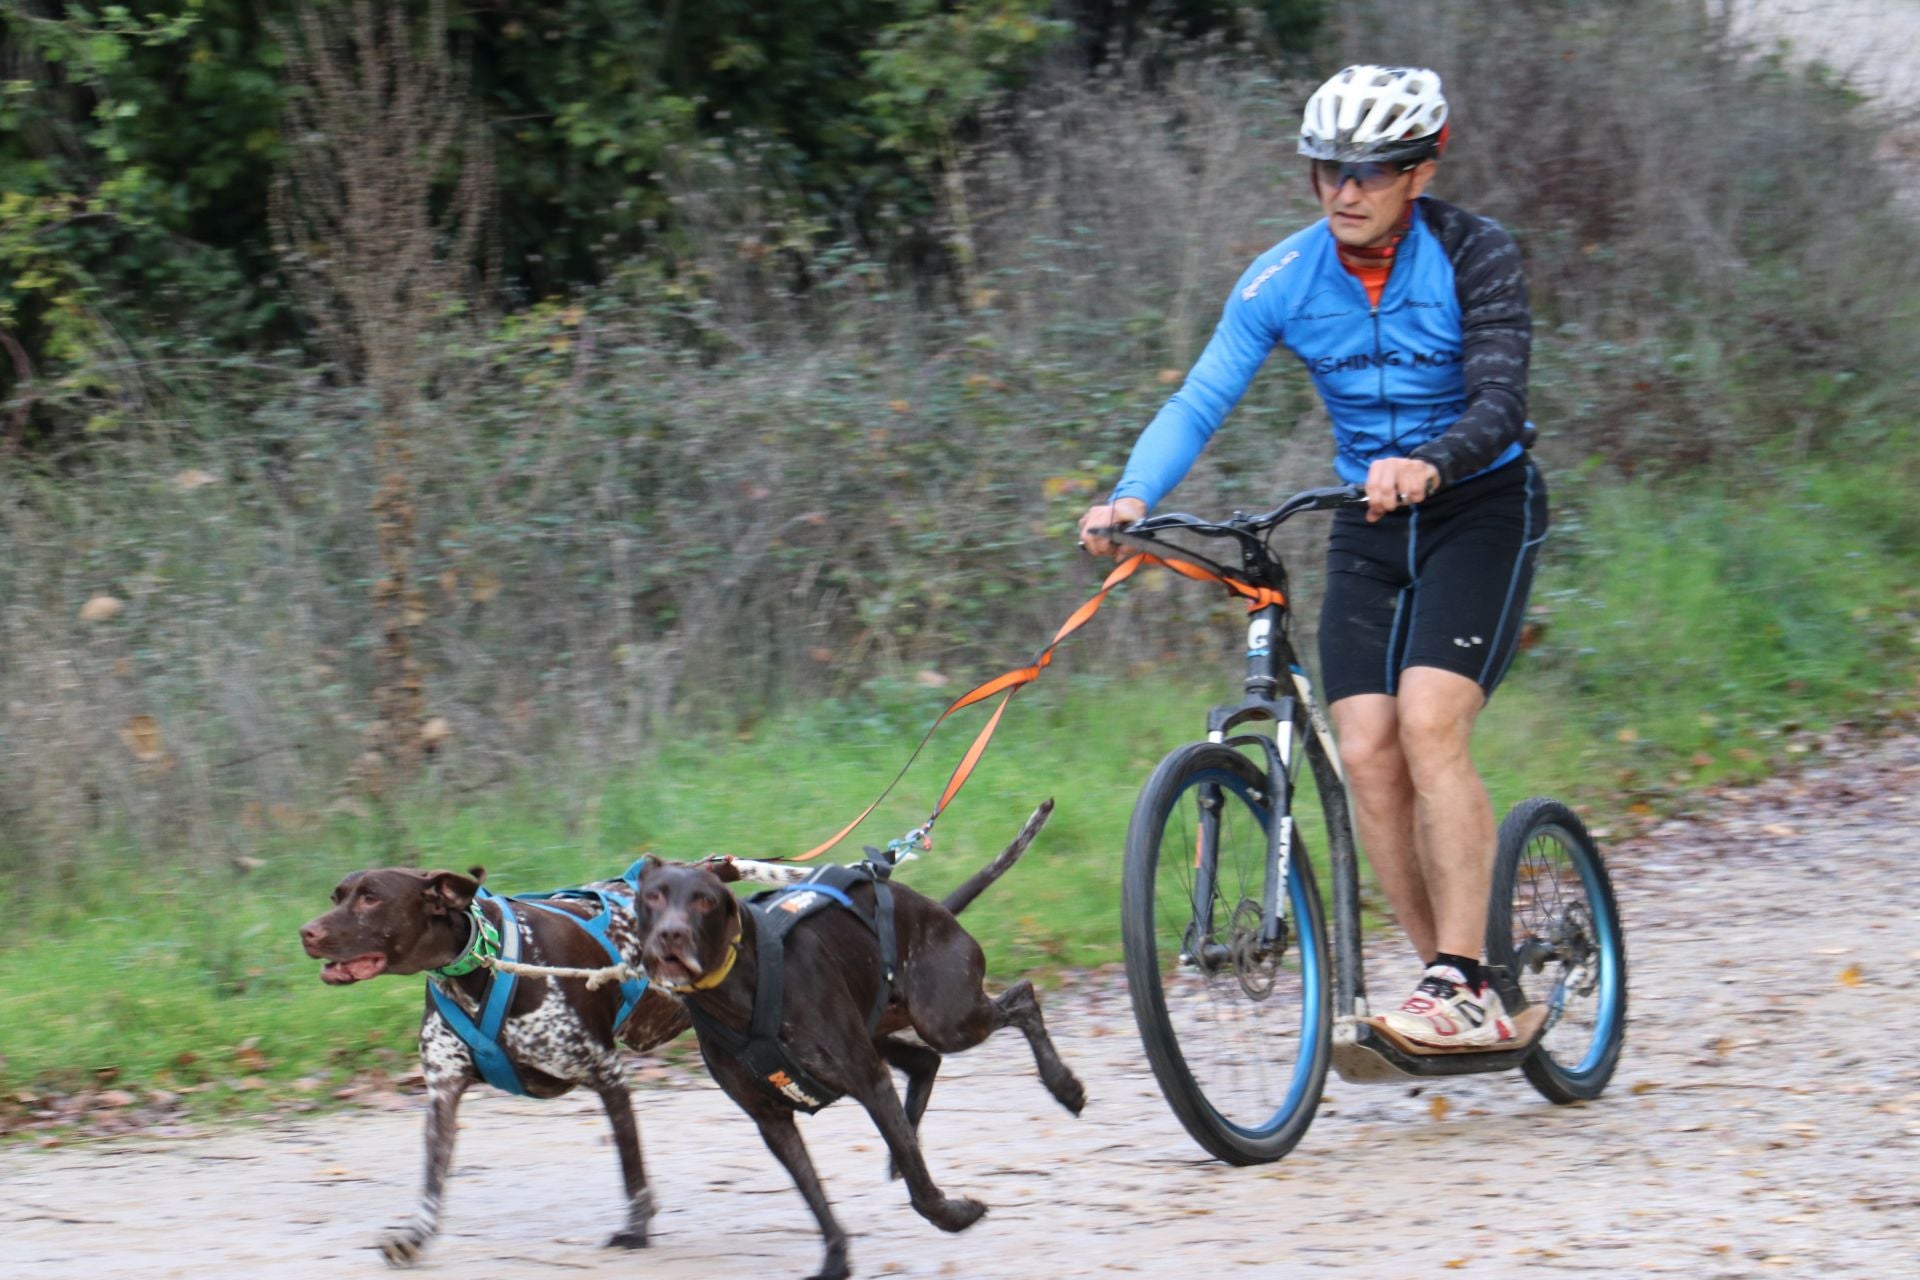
<point x="675" y="965"/>
<point x="358" y="969"/>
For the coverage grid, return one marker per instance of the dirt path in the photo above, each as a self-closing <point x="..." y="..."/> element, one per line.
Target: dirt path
<point x="1765" y="1121"/>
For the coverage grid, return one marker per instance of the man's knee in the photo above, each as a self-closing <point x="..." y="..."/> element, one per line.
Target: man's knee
<point x="1434" y="742"/>
<point x="1372" y="758"/>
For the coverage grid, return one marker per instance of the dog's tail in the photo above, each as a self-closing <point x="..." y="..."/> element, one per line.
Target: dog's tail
<point x="976" y="883"/>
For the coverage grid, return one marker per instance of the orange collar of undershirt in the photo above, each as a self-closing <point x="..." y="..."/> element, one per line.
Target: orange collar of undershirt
<point x="1378" y="256"/>
<point x="1371" y="265"/>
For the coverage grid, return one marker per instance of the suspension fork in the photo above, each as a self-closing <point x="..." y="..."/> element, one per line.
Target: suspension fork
<point x="1206" y="870"/>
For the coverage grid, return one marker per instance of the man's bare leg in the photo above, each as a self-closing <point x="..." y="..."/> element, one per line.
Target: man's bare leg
<point x="1368" y="729"/>
<point x="1453" y="819"/>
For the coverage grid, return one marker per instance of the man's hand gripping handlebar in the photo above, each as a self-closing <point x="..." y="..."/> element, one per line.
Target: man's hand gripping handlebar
<point x="1102" y="519"/>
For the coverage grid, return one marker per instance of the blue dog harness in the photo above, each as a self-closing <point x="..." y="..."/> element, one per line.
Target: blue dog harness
<point x="483" y="1038"/>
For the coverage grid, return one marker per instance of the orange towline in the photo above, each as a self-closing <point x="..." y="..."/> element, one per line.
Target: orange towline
<point x="1009" y="683"/>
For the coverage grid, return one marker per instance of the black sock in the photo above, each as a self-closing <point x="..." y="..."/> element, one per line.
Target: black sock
<point x="1470" y="969"/>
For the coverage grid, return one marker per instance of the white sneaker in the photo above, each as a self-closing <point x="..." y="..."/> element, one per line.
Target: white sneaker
<point x="1445" y="1013"/>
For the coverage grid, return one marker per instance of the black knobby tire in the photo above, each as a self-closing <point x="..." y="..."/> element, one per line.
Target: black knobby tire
<point x="1555" y="925"/>
<point x="1240" y="1048"/>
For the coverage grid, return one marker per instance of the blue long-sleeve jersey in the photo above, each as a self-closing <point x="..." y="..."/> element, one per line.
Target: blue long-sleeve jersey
<point x="1438" y="371"/>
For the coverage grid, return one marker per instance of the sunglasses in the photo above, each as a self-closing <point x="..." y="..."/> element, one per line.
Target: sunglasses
<point x="1372" y="175"/>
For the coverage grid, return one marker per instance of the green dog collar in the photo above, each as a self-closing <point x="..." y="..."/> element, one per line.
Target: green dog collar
<point x="483" y="944"/>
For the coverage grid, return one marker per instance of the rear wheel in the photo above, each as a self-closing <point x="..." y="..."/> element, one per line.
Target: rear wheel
<point x="1236" y="1025"/>
<point x="1556" y="928"/>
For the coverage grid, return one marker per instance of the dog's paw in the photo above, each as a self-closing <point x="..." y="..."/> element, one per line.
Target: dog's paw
<point x="834" y="1265"/>
<point x="627" y="1240"/>
<point x="1069" y="1092"/>
<point x="403" y="1248"/>
<point x="956" y="1214"/>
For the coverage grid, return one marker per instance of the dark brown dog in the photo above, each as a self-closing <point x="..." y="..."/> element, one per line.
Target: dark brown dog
<point x="833" y="977"/>
<point x="557" y="1033"/>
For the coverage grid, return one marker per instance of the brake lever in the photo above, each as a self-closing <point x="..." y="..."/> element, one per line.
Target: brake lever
<point x="1163" y="550"/>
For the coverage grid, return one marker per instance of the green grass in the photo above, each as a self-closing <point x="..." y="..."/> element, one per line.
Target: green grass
<point x="1686" y="636"/>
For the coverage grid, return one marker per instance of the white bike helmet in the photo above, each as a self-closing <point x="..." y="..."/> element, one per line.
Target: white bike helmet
<point x="1375" y="113"/>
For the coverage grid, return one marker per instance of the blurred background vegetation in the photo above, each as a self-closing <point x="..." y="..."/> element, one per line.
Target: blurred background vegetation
<point x="527" y="432"/>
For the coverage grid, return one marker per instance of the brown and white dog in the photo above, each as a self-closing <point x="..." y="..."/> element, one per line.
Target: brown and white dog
<point x="557" y="1034"/>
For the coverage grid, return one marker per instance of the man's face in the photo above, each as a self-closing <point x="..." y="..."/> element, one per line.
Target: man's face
<point x="1364" y="203"/>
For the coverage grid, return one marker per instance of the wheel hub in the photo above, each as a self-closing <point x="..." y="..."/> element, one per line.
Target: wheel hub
<point x="1255" y="964"/>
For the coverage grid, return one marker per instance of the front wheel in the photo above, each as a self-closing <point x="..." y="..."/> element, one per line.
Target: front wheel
<point x="1235" y="1014"/>
<point x="1555" y="926"/>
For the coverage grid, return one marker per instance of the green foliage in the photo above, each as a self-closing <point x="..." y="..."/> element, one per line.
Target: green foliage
<point x="136" y="149"/>
<point x="941" y="64"/>
<point x="130" y="149"/>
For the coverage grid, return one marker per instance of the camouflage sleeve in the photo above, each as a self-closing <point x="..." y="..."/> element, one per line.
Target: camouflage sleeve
<point x="1496" y="337"/>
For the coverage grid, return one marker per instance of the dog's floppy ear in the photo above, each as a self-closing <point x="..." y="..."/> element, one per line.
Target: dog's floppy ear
<point x="643" y="866"/>
<point x="449" y="892"/>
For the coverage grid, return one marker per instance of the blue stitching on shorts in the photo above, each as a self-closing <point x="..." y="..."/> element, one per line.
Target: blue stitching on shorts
<point x="1399" y="605"/>
<point x="1410" y="591"/>
<point x="1513" y="582"/>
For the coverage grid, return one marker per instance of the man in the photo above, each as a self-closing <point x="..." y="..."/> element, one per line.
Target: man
<point x="1411" y="318"/>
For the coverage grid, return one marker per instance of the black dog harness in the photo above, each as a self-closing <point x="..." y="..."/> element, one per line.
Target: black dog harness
<point x="775" y="914"/>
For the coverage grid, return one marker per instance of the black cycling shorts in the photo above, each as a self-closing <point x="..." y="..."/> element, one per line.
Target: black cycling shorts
<point x="1443" y="584"/>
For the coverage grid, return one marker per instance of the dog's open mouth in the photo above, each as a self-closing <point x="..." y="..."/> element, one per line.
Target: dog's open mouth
<point x="674" y="967"/>
<point x="340" y="972"/>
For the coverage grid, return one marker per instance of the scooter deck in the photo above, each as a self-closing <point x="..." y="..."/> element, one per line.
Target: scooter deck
<point x="1526" y="1028"/>
<point x="1364" y="1052"/>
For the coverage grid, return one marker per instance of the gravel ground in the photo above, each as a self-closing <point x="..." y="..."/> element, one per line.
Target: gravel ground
<point x="1765" y="1121"/>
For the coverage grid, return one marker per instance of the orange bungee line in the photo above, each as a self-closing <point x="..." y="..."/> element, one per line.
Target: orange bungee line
<point x="1009" y="683"/>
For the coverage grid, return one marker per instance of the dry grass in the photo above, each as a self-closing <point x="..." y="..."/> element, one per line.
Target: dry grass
<point x="759" y="471"/>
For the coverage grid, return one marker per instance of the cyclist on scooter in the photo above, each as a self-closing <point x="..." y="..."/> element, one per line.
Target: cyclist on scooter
<point x="1411" y="318"/>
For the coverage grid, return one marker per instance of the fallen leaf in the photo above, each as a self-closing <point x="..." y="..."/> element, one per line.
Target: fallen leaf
<point x="192" y="478"/>
<point x="141" y="734"/>
<point x="1850" y="976"/>
<point x="101" y="609"/>
<point x="1437" y="1107"/>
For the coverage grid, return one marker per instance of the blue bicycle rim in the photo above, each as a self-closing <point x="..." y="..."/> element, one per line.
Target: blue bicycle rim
<point x="1606" y="942"/>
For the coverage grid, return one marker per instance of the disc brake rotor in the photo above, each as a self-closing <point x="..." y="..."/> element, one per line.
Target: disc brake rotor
<point x="1573" y="938"/>
<point x="1256" y="966"/>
